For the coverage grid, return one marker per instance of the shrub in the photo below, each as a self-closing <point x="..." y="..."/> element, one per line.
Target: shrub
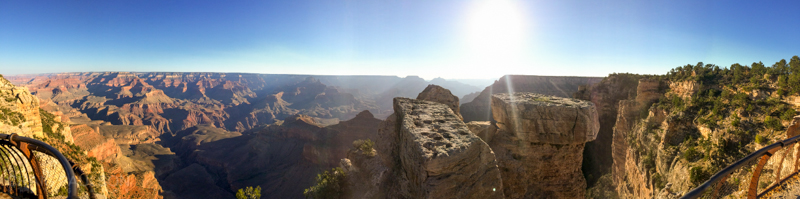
<point x="771" y="123"/>
<point x="788" y="114"/>
<point x="736" y="121"/>
<point x="677" y="102"/>
<point x="329" y="185"/>
<point x="249" y="193"/>
<point x="649" y="161"/>
<point x="14" y="118"/>
<point x="761" y="139"/>
<point x="691" y="154"/>
<point x="366" y="146"/>
<point x="698" y="175"/>
<point x="659" y="181"/>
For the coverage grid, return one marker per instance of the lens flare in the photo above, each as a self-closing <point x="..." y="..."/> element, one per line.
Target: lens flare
<point x="495" y="33"/>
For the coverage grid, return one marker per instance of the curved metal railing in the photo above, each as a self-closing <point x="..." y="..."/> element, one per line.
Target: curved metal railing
<point x="29" y="168"/>
<point x="739" y="186"/>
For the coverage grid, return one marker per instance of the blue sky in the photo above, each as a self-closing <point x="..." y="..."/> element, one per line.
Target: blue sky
<point x="442" y="38"/>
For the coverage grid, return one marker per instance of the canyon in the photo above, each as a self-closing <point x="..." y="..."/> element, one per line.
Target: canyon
<point x="227" y="131"/>
<point x="200" y="135"/>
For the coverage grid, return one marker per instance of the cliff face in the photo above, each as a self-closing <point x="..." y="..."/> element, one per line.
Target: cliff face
<point x="539" y="144"/>
<point x="20" y="111"/>
<point x="606" y="95"/>
<point x="97" y="145"/>
<point x="479" y="109"/>
<point x="634" y="154"/>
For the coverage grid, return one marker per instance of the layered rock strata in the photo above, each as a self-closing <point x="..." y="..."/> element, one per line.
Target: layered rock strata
<point x="19" y="111"/>
<point x="539" y="144"/>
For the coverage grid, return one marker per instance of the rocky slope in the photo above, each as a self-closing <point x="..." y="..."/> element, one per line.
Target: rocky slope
<point x="682" y="127"/>
<point x="479" y="109"/>
<point x="22" y="115"/>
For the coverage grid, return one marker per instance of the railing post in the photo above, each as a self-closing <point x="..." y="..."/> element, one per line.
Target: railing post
<point x="796" y="158"/>
<point x="752" y="191"/>
<point x="780" y="164"/>
<point x="719" y="185"/>
<point x="41" y="187"/>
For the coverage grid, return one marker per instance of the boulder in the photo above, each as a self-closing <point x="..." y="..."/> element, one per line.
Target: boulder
<point x="436" y="93"/>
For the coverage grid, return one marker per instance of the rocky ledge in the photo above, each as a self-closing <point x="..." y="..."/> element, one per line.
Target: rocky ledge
<point x="441" y="157"/>
<point x="539" y="144"/>
<point x="546" y="119"/>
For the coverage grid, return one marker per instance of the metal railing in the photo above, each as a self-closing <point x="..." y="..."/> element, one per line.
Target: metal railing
<point x="743" y="179"/>
<point x="30" y="168"/>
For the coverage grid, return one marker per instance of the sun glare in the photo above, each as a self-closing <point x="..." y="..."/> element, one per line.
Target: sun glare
<point x="495" y="33"/>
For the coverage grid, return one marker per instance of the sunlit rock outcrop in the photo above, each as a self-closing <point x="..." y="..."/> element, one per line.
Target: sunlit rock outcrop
<point x="424" y="150"/>
<point x="539" y="144"/>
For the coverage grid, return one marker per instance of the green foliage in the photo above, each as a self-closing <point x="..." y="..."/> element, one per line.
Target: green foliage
<point x="677" y="102"/>
<point x="366" y="147"/>
<point x="542" y="99"/>
<point x="649" y="161"/>
<point x="48" y="120"/>
<point x="788" y="114"/>
<point x="736" y="121"/>
<point x="691" y="154"/>
<point x="249" y="193"/>
<point x="14" y="118"/>
<point x="698" y="175"/>
<point x="761" y="139"/>
<point x="773" y="124"/>
<point x="329" y="185"/>
<point x="659" y="181"/>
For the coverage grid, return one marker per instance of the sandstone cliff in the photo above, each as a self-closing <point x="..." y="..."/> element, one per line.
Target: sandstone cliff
<point x="20" y="111"/>
<point x="683" y="127"/>
<point x="539" y="144"/>
<point x="606" y="96"/>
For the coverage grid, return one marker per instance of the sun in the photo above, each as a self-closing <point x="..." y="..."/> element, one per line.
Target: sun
<point x="495" y="33"/>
